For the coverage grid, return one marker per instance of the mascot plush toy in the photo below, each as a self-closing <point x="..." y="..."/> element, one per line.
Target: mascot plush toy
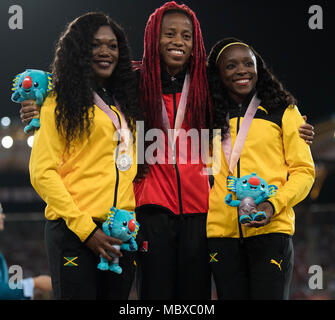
<point x="120" y="224"/>
<point x="31" y="85"/>
<point x="250" y="191"/>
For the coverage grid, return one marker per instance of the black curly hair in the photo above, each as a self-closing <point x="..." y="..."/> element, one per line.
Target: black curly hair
<point x="74" y="78"/>
<point x="269" y="89"/>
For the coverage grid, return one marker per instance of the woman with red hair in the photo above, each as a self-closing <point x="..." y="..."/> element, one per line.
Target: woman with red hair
<point x="172" y="201"/>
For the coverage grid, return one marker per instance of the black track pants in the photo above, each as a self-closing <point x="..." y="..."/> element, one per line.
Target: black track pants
<point x="74" y="270"/>
<point x="173" y="257"/>
<point x="260" y="267"/>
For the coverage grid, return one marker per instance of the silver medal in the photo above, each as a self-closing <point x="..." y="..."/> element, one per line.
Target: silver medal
<point x="123" y="162"/>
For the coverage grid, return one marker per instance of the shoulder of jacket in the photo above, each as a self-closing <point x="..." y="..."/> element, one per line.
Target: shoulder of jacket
<point x="291" y="109"/>
<point x="50" y="101"/>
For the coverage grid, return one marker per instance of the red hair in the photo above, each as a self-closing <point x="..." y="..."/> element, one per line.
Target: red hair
<point x="198" y="100"/>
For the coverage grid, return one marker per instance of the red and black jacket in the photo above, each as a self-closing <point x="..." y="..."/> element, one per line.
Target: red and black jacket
<point x="182" y="188"/>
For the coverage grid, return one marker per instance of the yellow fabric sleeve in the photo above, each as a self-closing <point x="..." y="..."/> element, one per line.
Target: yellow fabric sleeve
<point x="46" y="157"/>
<point x="299" y="161"/>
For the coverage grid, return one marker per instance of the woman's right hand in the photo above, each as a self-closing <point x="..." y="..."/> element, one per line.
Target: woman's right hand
<point x="100" y="243"/>
<point x="29" y="110"/>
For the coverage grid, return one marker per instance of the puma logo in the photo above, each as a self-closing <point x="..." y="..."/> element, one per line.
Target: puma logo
<point x="276" y="263"/>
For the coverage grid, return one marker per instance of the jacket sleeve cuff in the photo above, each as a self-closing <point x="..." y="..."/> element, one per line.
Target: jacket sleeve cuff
<point x="91" y="234"/>
<point x="272" y="205"/>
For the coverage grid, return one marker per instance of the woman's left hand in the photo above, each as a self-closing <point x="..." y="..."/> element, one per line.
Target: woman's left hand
<point x="268" y="209"/>
<point x="306" y="132"/>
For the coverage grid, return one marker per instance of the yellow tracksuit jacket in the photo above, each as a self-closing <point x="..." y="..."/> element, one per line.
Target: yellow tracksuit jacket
<point x="273" y="150"/>
<point x="79" y="186"/>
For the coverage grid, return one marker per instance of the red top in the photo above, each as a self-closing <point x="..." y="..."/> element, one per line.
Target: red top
<point x="183" y="188"/>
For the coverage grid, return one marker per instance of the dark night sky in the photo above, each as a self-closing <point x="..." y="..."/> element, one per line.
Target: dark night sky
<point x="300" y="57"/>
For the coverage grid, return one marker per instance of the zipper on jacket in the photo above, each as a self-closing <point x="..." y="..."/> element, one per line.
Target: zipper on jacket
<point x="116" y="168"/>
<point x="239" y="175"/>
<point x="174" y="153"/>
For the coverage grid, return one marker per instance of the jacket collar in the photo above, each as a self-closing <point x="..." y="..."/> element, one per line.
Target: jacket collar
<point x="172" y="84"/>
<point x="234" y="106"/>
<point x="105" y="94"/>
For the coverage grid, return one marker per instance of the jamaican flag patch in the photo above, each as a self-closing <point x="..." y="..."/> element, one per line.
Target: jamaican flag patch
<point x="70" y="262"/>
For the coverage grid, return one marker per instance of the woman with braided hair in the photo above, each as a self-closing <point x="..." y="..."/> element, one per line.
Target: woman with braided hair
<point x="254" y="260"/>
<point x="172" y="201"/>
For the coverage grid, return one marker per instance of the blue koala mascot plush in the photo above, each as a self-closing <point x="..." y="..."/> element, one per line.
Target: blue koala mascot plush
<point x="31" y="85"/>
<point x="250" y="191"/>
<point x="120" y="224"/>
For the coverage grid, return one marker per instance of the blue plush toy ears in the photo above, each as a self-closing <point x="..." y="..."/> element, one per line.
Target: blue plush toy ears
<point x="231" y="183"/>
<point x="15" y="82"/>
<point x="49" y="81"/>
<point x="111" y="216"/>
<point x="137" y="226"/>
<point x="272" y="190"/>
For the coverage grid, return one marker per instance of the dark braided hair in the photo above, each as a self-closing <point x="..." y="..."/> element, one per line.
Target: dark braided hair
<point x="198" y="101"/>
<point x="269" y="89"/>
<point x="74" y="78"/>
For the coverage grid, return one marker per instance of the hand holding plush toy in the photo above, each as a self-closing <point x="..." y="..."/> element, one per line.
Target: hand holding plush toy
<point x="250" y="191"/>
<point x="120" y="224"/>
<point x="31" y="85"/>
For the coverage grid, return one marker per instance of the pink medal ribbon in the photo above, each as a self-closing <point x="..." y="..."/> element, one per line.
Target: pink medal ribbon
<point x="123" y="161"/>
<point x="180" y="113"/>
<point x="105" y="108"/>
<point x="233" y="154"/>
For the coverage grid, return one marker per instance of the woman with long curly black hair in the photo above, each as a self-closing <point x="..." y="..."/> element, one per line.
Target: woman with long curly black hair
<point x="74" y="77"/>
<point x="73" y="163"/>
<point x="253" y="259"/>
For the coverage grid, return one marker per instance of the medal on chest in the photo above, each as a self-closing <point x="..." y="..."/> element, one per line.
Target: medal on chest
<point x="123" y="162"/>
<point x="123" y="159"/>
